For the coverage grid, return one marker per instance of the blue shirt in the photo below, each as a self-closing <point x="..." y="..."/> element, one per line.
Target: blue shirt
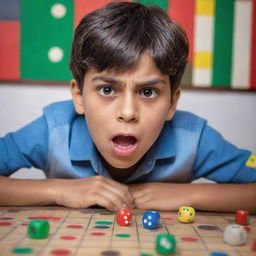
<point x="187" y="148"/>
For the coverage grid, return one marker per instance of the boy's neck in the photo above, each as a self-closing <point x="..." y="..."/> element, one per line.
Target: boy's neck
<point x="119" y="174"/>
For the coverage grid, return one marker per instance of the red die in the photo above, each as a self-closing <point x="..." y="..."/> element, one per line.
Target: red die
<point x="124" y="217"/>
<point x="242" y="217"/>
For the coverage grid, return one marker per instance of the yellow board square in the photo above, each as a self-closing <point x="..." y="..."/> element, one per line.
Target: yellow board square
<point x="203" y="60"/>
<point x="251" y="162"/>
<point x="205" y="7"/>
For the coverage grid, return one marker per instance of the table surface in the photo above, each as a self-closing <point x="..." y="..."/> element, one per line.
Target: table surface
<point x="86" y="232"/>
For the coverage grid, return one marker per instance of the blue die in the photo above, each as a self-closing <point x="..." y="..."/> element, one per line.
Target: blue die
<point x="150" y="219"/>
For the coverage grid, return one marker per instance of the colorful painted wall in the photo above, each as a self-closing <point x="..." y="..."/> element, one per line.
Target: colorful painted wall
<point x="36" y="36"/>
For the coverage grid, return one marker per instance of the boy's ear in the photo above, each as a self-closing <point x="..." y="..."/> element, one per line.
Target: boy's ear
<point x="173" y="106"/>
<point x="77" y="97"/>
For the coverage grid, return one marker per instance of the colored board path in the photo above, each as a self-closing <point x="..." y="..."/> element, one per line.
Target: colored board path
<point x="94" y="232"/>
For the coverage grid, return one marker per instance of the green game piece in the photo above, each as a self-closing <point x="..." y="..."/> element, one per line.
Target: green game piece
<point x="104" y="222"/>
<point x="22" y="250"/>
<point x="123" y="235"/>
<point x="165" y="244"/>
<point x="38" y="229"/>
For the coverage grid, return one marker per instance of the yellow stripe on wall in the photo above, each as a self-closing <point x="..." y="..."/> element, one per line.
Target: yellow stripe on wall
<point x="203" y="60"/>
<point x="205" y="7"/>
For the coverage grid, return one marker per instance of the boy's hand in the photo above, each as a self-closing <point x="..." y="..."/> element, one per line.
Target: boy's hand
<point x="159" y="196"/>
<point x="95" y="190"/>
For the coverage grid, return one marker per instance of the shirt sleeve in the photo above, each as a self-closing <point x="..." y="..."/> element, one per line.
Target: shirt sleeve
<point x="221" y="161"/>
<point x="27" y="147"/>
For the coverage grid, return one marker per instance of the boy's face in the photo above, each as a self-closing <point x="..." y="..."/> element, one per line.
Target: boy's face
<point x="126" y="111"/>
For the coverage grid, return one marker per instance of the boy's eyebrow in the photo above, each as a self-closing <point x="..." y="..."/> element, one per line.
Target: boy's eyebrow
<point x="106" y="79"/>
<point x="112" y="80"/>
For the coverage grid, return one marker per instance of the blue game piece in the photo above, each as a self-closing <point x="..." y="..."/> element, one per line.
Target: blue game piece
<point x="219" y="254"/>
<point x="150" y="219"/>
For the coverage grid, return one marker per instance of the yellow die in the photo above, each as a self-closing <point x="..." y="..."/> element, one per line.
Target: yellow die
<point x="186" y="214"/>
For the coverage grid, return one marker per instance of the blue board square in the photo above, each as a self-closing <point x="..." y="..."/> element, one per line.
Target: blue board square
<point x="10" y="10"/>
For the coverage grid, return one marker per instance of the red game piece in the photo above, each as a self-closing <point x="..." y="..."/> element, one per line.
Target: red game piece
<point x="254" y="246"/>
<point x="242" y="217"/>
<point x="247" y="229"/>
<point x="124" y="217"/>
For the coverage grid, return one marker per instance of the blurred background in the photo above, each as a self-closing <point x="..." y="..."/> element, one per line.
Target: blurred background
<point x="219" y="83"/>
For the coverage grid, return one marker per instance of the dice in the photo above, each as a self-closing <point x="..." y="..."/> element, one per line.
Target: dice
<point x="150" y="219"/>
<point x="186" y="214"/>
<point x="124" y="217"/>
<point x="235" y="235"/>
<point x="165" y="244"/>
<point x="242" y="217"/>
<point x="38" y="229"/>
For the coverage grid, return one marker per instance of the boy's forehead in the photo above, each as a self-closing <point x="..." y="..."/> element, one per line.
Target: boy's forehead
<point x="144" y="66"/>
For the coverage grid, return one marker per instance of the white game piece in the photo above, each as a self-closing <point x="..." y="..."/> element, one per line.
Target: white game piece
<point x="235" y="235"/>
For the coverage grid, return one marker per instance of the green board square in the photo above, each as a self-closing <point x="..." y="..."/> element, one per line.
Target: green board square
<point x="161" y="3"/>
<point x="46" y="38"/>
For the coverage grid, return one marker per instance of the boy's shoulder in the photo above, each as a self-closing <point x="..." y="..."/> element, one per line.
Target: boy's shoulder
<point x="59" y="113"/>
<point x="187" y="120"/>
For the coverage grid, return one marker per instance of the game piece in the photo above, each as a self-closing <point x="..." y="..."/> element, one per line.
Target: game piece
<point x="242" y="217"/>
<point x="38" y="229"/>
<point x="235" y="235"/>
<point x="186" y="214"/>
<point x="124" y="217"/>
<point x="165" y="244"/>
<point x="253" y="248"/>
<point x="219" y="254"/>
<point x="150" y="219"/>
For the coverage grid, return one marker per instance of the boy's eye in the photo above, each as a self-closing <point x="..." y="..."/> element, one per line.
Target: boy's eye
<point x="106" y="91"/>
<point x="149" y="93"/>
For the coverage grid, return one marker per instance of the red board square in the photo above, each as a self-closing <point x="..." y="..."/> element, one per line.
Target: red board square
<point x="183" y="11"/>
<point x="81" y="8"/>
<point x="9" y="50"/>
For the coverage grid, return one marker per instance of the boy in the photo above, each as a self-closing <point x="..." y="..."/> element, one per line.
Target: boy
<point x="121" y="143"/>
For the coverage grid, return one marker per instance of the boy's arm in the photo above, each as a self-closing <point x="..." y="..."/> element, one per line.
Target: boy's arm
<point x="208" y="197"/>
<point x="19" y="192"/>
<point x="75" y="193"/>
<point x="27" y="147"/>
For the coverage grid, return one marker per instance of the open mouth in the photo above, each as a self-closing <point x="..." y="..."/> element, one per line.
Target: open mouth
<point x="124" y="145"/>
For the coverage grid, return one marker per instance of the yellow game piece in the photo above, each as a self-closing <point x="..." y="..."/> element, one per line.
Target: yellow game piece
<point x="186" y="214"/>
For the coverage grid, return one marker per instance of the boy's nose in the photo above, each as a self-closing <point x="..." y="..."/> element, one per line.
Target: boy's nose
<point x="127" y="110"/>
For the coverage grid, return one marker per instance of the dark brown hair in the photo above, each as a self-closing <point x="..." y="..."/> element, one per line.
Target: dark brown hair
<point x="113" y="38"/>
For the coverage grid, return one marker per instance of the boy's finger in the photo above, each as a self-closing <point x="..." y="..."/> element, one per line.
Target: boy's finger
<point x="116" y="199"/>
<point x="126" y="197"/>
<point x="116" y="187"/>
<point x="105" y="202"/>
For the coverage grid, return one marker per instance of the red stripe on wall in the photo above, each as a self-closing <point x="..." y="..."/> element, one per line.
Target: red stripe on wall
<point x="9" y="50"/>
<point x="82" y="7"/>
<point x="183" y="12"/>
<point x="253" y="55"/>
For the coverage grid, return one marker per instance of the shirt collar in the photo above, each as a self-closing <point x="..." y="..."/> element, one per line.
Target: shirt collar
<point x="82" y="147"/>
<point x="164" y="147"/>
